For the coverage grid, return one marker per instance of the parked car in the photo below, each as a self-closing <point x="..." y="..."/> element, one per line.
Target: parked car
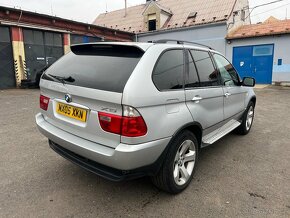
<point x="126" y="110"/>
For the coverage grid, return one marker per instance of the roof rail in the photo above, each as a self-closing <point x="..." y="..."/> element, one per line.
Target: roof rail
<point x="180" y="42"/>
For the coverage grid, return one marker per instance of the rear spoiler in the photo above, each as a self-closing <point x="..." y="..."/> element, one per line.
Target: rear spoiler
<point x="102" y="49"/>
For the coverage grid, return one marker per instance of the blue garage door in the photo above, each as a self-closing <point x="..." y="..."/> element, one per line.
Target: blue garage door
<point x="255" y="61"/>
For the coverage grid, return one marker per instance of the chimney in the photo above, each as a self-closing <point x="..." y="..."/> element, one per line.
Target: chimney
<point x="125" y="8"/>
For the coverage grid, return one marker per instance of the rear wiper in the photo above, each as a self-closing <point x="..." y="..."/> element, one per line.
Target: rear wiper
<point x="62" y="79"/>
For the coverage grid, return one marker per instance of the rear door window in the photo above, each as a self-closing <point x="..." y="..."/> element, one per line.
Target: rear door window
<point x="208" y="75"/>
<point x="103" y="67"/>
<point x="168" y="72"/>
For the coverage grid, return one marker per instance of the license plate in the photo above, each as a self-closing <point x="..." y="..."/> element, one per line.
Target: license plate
<point x="71" y="111"/>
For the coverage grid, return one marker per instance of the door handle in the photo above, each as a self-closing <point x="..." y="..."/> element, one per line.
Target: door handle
<point x="196" y="98"/>
<point x="227" y="94"/>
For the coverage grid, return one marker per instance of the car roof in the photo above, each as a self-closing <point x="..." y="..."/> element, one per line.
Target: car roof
<point x="145" y="45"/>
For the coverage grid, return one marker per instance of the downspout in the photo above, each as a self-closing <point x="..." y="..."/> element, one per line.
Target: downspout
<point x="19" y="17"/>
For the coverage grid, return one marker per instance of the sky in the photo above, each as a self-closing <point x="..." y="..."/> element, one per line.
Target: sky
<point x="87" y="10"/>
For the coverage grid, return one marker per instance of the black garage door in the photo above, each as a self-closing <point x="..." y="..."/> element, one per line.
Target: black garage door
<point x="41" y="49"/>
<point x="7" y="74"/>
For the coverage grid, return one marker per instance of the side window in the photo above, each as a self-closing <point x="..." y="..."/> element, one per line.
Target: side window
<point x="192" y="80"/>
<point x="208" y="75"/>
<point x="228" y="74"/>
<point x="168" y="73"/>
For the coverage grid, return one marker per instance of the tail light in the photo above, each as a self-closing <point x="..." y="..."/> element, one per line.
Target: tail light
<point x="44" y="101"/>
<point x="110" y="122"/>
<point x="130" y="124"/>
<point x="133" y="124"/>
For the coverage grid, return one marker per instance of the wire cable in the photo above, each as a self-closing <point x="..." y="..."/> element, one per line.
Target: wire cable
<point x="257" y="6"/>
<point x="270" y="10"/>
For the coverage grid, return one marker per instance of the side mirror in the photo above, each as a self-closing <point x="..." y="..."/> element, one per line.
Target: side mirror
<point x="248" y="81"/>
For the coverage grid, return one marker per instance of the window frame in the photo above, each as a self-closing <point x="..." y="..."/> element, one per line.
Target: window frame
<point x="183" y="73"/>
<point x="214" y="66"/>
<point x="220" y="76"/>
<point x="186" y="78"/>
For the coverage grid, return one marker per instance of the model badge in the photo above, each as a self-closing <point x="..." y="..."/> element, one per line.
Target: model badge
<point x="68" y="98"/>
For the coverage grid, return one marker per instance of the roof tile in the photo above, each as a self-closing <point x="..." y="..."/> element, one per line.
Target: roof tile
<point x="274" y="27"/>
<point x="209" y="12"/>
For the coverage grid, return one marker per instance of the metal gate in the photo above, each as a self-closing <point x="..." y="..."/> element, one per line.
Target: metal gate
<point x="255" y="61"/>
<point x="41" y="49"/>
<point x="7" y="74"/>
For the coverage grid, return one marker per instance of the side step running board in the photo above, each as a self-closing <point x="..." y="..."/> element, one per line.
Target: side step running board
<point x="219" y="133"/>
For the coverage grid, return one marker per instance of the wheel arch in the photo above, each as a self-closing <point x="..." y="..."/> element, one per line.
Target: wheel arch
<point x="193" y="127"/>
<point x="254" y="100"/>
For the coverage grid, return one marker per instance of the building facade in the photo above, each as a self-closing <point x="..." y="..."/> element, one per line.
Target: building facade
<point x="262" y="50"/>
<point x="30" y="41"/>
<point x="187" y="20"/>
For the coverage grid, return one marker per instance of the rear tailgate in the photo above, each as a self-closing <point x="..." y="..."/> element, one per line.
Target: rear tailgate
<point x="82" y="83"/>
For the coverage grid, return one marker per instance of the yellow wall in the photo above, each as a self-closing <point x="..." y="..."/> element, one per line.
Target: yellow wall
<point x="19" y="61"/>
<point x="66" y="49"/>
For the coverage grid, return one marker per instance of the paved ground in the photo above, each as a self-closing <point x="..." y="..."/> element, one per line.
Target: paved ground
<point x="237" y="177"/>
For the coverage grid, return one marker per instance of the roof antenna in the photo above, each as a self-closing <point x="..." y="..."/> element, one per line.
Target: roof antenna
<point x="51" y="8"/>
<point x="106" y="7"/>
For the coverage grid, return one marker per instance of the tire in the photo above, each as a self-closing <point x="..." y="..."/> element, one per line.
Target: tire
<point x="177" y="170"/>
<point x="247" y="120"/>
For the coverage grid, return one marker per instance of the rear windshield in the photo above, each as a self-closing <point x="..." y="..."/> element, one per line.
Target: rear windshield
<point x="104" y="67"/>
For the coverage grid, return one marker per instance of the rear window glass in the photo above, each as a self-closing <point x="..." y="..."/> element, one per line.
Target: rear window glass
<point x="104" y="67"/>
<point x="168" y="72"/>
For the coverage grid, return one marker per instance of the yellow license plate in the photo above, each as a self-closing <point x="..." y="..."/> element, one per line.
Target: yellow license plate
<point x="71" y="111"/>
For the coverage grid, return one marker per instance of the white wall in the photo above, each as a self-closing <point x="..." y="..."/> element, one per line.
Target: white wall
<point x="163" y="19"/>
<point x="281" y="51"/>
<point x="235" y="20"/>
<point x="212" y="35"/>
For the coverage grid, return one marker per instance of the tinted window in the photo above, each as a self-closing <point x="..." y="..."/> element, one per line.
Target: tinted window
<point x="104" y="67"/>
<point x="228" y="74"/>
<point x="208" y="76"/>
<point x="168" y="73"/>
<point x="193" y="80"/>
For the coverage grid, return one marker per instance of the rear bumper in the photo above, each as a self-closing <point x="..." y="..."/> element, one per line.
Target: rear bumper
<point x="123" y="158"/>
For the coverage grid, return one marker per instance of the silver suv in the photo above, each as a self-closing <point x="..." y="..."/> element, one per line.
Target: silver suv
<point x="126" y="110"/>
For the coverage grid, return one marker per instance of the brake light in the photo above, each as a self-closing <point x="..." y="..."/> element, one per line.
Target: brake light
<point x="43" y="101"/>
<point x="131" y="124"/>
